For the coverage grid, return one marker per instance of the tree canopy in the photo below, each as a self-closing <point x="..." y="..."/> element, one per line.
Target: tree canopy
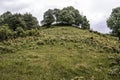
<point x="26" y="21"/>
<point x="48" y="18"/>
<point x="66" y="16"/>
<point x="113" y="22"/>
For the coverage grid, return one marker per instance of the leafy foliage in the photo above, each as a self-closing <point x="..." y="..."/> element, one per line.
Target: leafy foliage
<point x="114" y="22"/>
<point x="31" y="22"/>
<point x="5" y="33"/>
<point x="4" y="18"/>
<point x="85" y="23"/>
<point x="26" y="21"/>
<point x="15" y="21"/>
<point x="48" y="18"/>
<point x="67" y="16"/>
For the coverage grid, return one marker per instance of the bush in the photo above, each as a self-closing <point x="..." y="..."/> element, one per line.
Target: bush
<point x="20" y="32"/>
<point x="32" y="32"/>
<point x="5" y="33"/>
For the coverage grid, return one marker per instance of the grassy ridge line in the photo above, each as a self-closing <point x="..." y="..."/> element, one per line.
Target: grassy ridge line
<point x="65" y="34"/>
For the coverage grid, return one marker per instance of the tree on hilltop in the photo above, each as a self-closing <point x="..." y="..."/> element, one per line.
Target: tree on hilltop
<point x="67" y="16"/>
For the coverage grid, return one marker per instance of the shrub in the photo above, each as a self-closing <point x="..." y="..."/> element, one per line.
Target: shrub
<point x="5" y="33"/>
<point x="32" y="32"/>
<point x="20" y="32"/>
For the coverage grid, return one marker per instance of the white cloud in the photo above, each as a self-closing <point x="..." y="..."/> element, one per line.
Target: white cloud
<point x="97" y="11"/>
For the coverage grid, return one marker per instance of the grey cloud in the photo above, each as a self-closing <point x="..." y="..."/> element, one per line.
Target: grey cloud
<point x="101" y="27"/>
<point x="12" y="5"/>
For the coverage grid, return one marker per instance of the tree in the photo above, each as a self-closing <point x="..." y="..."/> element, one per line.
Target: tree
<point x="56" y="14"/>
<point x="85" y="23"/>
<point x="30" y="21"/>
<point x="25" y="21"/>
<point x="78" y="18"/>
<point x="67" y="16"/>
<point x="15" y="21"/>
<point x="48" y="18"/>
<point x="4" y="18"/>
<point x="113" y="22"/>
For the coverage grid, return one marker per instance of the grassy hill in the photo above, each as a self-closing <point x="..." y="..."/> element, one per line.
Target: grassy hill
<point x="61" y="53"/>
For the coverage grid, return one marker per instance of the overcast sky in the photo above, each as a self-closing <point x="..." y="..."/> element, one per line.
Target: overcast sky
<point x="97" y="11"/>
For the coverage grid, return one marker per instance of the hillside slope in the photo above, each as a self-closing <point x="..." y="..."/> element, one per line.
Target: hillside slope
<point x="60" y="53"/>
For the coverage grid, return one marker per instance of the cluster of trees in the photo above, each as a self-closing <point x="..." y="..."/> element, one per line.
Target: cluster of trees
<point x="67" y="16"/>
<point x="17" y="25"/>
<point x="14" y="21"/>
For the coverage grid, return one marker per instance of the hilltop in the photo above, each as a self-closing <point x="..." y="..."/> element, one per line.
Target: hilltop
<point x="60" y="53"/>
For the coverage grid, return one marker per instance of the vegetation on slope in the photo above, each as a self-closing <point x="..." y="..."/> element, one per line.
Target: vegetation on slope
<point x="60" y="53"/>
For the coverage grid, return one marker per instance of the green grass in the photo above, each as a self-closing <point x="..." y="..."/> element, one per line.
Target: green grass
<point x="60" y="53"/>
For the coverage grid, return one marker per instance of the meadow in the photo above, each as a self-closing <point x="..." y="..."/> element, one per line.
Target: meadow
<point x="61" y="53"/>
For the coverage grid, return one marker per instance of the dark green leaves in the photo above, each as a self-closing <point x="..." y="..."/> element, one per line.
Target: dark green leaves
<point x="113" y="22"/>
<point x="25" y="21"/>
<point x="67" y="16"/>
